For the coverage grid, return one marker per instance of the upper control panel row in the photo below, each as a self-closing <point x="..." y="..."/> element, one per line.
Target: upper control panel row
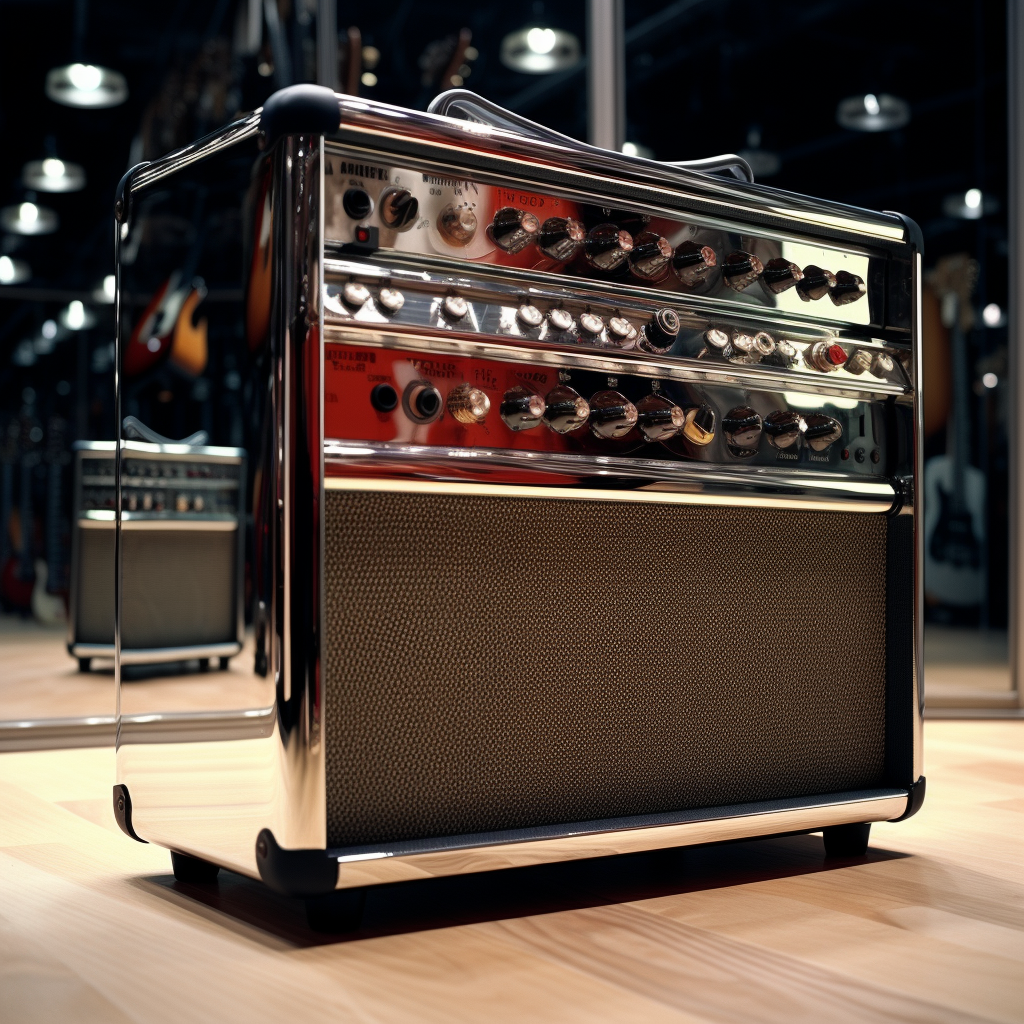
<point x="400" y="210"/>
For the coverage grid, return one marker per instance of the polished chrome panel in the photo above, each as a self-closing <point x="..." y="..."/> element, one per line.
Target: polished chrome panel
<point x="156" y="655"/>
<point x="369" y="866"/>
<point x="50" y="733"/>
<point x="444" y="471"/>
<point x="918" y="640"/>
<point x="209" y="524"/>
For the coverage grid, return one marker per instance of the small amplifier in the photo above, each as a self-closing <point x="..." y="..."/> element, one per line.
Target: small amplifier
<point x="182" y="534"/>
<point x="585" y="514"/>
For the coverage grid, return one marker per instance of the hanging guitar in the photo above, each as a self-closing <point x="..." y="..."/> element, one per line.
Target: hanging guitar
<point x="954" y="490"/>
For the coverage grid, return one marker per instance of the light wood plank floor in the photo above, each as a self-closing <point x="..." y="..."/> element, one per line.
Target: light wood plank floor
<point x="929" y="927"/>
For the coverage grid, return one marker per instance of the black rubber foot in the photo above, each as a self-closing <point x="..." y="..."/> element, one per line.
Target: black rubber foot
<point x="337" y="912"/>
<point x="193" y="869"/>
<point x="847" y="840"/>
<point x="224" y="662"/>
<point x="84" y="664"/>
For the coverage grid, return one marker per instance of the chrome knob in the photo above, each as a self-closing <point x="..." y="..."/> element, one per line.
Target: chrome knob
<point x="882" y="365"/>
<point x="422" y="402"/>
<point x="513" y="230"/>
<point x="561" y="238"/>
<point x="354" y="294"/>
<point x="658" y="418"/>
<point x="398" y="208"/>
<point x="454" y="307"/>
<point x="848" y="288"/>
<point x="692" y="263"/>
<point x="566" y="410"/>
<point x="859" y="362"/>
<point x="660" y="332"/>
<point x="560" y="319"/>
<point x="650" y="255"/>
<point x="591" y="323"/>
<point x="607" y="246"/>
<point x="611" y="415"/>
<point x="457" y="225"/>
<point x="783" y="428"/>
<point x="780" y="275"/>
<point x="741" y="269"/>
<point x="621" y="331"/>
<point x="816" y="283"/>
<point x="751" y="348"/>
<point x="826" y="356"/>
<point x="699" y="427"/>
<point x="521" y="409"/>
<point x="468" y="404"/>
<point x="529" y="315"/>
<point x="716" y="341"/>
<point x="390" y="300"/>
<point x="822" y="431"/>
<point x="742" y="427"/>
<point x="785" y="354"/>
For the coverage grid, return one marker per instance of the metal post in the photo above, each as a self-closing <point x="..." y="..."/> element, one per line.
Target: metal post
<point x="606" y="73"/>
<point x="1015" y="192"/>
<point x="327" y="43"/>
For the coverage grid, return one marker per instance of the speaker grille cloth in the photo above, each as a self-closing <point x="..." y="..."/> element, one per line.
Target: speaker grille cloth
<point x="504" y="662"/>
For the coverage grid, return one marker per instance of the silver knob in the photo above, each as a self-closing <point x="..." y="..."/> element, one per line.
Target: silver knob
<point x="611" y="415"/>
<point x="783" y="428"/>
<point x="560" y="319"/>
<point x="454" y="307"/>
<point x="621" y="330"/>
<point x="513" y="230"/>
<point x="391" y="300"/>
<point x="529" y="316"/>
<point x="658" y="418"/>
<point x="354" y="294"/>
<point x="457" y="225"/>
<point x="716" y="341"/>
<point x="566" y="410"/>
<point x="821" y="431"/>
<point x="522" y="409"/>
<point x="591" y="323"/>
<point x="742" y="428"/>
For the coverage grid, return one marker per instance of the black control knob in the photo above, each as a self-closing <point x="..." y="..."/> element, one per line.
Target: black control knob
<point x="699" y="427"/>
<point x="692" y="263"/>
<point x="742" y="428"/>
<point x="384" y="398"/>
<point x="522" y="409"/>
<point x="783" y="428"/>
<point x="741" y="269"/>
<point x="816" y="283"/>
<point x="660" y="332"/>
<point x="607" y="246"/>
<point x="611" y="415"/>
<point x="513" y="229"/>
<point x="822" y="431"/>
<point x="658" y="418"/>
<point x="649" y="258"/>
<point x="422" y="402"/>
<point x="848" y="288"/>
<point x="566" y="410"/>
<point x="357" y="203"/>
<point x="780" y="275"/>
<point x="399" y="208"/>
<point x="457" y="225"/>
<point x="561" y="238"/>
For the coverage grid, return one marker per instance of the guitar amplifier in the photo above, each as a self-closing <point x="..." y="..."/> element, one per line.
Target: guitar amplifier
<point x="182" y="534"/>
<point x="586" y="517"/>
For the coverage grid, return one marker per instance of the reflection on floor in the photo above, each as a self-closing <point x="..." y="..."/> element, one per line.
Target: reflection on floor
<point x="967" y="668"/>
<point x="928" y="927"/>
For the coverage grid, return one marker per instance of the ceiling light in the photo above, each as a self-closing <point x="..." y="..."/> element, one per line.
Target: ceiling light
<point x="28" y="219"/>
<point x="873" y="113"/>
<point x="105" y="293"/>
<point x="76" y="317"/>
<point x="52" y="175"/>
<point x="49" y="329"/>
<point x="539" y="51"/>
<point x="970" y="205"/>
<point x="86" y="85"/>
<point x="13" y="271"/>
<point x="993" y="316"/>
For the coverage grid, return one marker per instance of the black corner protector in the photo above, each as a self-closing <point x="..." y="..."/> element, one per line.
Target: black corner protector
<point x="123" y="812"/>
<point x="121" y="198"/>
<point x="299" y="110"/>
<point x="914" y="800"/>
<point x="302" y="873"/>
<point x="914" y="234"/>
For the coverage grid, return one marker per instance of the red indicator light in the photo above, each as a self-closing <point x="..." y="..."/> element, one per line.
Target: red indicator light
<point x="836" y="355"/>
<point x="362" y="234"/>
<point x="846" y="454"/>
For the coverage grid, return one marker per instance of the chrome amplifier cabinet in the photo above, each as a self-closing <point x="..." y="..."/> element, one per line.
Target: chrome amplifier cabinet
<point x="184" y="535"/>
<point x="585" y="516"/>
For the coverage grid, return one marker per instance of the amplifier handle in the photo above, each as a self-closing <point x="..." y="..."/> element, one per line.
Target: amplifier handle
<point x="468" y="106"/>
<point x="135" y="430"/>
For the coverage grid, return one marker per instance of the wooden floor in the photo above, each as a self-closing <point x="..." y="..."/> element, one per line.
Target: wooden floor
<point x="929" y="927"/>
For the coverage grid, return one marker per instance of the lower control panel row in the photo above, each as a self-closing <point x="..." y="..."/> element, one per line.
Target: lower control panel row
<point x="388" y="395"/>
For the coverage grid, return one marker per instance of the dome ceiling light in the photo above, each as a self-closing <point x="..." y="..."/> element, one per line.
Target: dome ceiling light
<point x="28" y="219"/>
<point x="13" y="271"/>
<point x="871" y="113"/>
<point x="86" y="85"/>
<point x="77" y="317"/>
<point x="970" y="205"/>
<point x="53" y="175"/>
<point x="539" y="51"/>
